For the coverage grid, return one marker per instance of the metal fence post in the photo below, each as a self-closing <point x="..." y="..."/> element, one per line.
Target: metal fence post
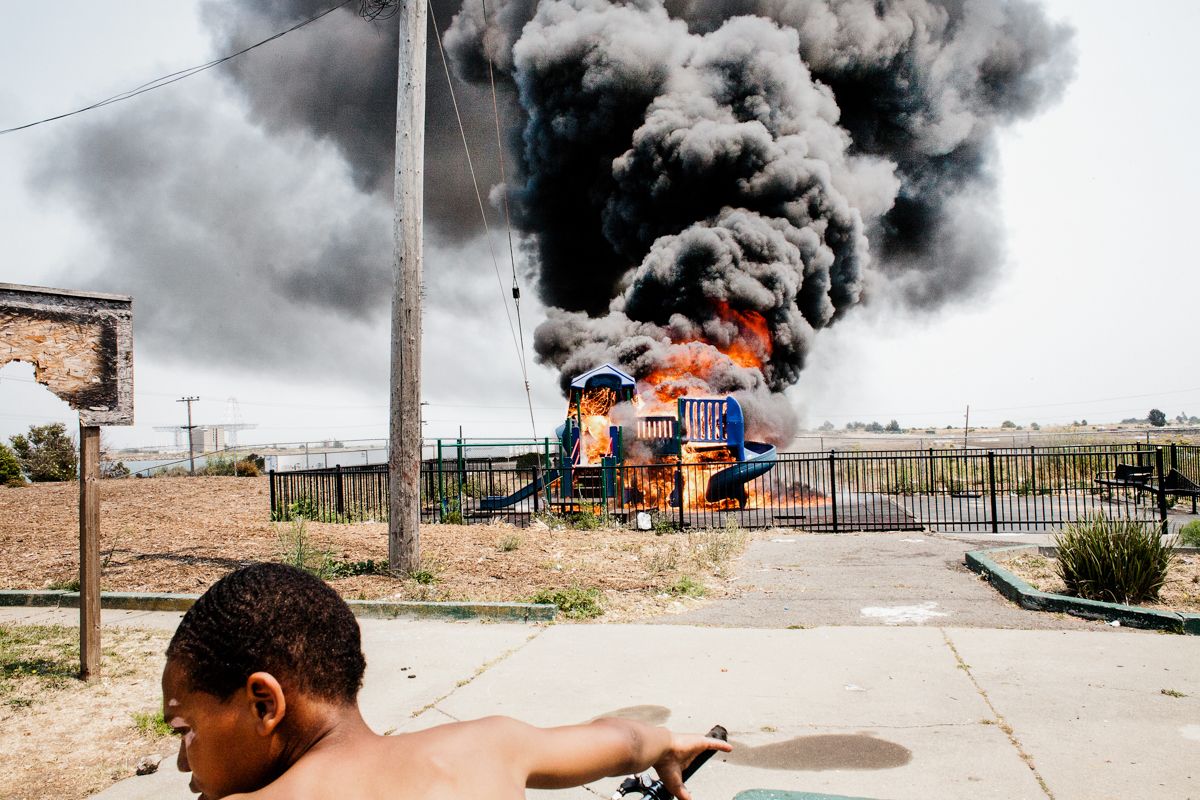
<point x="992" y="489"/>
<point x="1162" y="490"/>
<point x="930" y="471"/>
<point x="271" y="482"/>
<point x="679" y="486"/>
<point x="441" y="493"/>
<point x="341" y="501"/>
<point x="537" y="490"/>
<point x="1174" y="457"/>
<point x="833" y="489"/>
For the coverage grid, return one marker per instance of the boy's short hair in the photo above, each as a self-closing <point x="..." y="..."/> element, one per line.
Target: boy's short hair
<point x="271" y="618"/>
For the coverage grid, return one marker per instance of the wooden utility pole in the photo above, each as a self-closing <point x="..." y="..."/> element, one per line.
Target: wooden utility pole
<point x="404" y="453"/>
<point x="189" y="428"/>
<point x="89" y="552"/>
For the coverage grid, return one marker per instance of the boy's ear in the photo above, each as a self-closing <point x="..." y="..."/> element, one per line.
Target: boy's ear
<point x="268" y="706"/>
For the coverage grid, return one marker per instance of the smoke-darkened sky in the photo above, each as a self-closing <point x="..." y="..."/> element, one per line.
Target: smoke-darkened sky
<point x="956" y="179"/>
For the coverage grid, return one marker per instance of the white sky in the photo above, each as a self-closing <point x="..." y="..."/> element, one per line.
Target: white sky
<point x="1091" y="318"/>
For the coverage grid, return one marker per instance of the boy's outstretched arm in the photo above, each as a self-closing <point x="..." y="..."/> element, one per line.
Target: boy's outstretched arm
<point x="557" y="758"/>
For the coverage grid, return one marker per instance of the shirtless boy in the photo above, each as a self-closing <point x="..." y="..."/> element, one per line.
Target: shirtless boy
<point x="262" y="681"/>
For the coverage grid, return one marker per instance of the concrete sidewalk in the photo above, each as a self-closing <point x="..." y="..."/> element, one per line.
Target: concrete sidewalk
<point x="883" y="712"/>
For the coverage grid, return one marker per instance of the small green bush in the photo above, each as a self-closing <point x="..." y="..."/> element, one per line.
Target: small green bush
<point x="509" y="543"/>
<point x="10" y="467"/>
<point x="1189" y="535"/>
<point x="426" y="575"/>
<point x="1113" y="560"/>
<point x="336" y="568"/>
<point x="46" y="453"/>
<point x="303" y="507"/>
<point x="574" y="602"/>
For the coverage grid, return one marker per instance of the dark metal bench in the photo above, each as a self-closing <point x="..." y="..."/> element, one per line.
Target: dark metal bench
<point x="1127" y="476"/>
<point x="1178" y="485"/>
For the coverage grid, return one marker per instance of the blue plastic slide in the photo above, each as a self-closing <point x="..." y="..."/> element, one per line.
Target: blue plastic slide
<point x="730" y="483"/>
<point x="496" y="503"/>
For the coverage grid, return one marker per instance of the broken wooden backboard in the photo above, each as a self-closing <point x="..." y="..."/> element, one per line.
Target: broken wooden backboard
<point x="80" y="345"/>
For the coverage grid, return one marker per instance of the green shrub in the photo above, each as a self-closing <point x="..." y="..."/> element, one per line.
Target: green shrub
<point x="1113" y="560"/>
<point x="46" y="453"/>
<point x="217" y="465"/>
<point x="10" y="467"/>
<point x="574" y="602"/>
<point x="509" y="543"/>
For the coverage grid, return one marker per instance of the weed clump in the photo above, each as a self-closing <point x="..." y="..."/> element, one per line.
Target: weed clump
<point x="1189" y="535"/>
<point x="687" y="586"/>
<point x="1113" y="560"/>
<point x="151" y="723"/>
<point x="574" y="602"/>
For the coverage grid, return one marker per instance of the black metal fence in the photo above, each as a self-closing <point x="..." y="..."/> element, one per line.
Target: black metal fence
<point x="1033" y="488"/>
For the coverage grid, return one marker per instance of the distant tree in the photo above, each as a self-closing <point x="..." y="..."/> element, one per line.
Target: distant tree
<point x="1083" y="422"/>
<point x="893" y="427"/>
<point x="1182" y="418"/>
<point x="46" y="453"/>
<point x="1033" y="426"/>
<point x="855" y="426"/>
<point x="10" y="467"/>
<point x="826" y="426"/>
<point x="1008" y="423"/>
<point x="1156" y="418"/>
<point x="874" y="427"/>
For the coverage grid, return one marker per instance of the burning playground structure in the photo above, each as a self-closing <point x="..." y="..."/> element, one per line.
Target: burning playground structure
<point x="620" y="448"/>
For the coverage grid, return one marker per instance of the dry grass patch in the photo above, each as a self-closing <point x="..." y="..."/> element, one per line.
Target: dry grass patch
<point x="63" y="738"/>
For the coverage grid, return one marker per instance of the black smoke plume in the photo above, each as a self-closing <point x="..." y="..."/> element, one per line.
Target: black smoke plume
<point x="695" y="170"/>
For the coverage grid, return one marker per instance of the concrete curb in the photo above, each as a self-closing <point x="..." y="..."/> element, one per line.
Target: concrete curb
<point x="373" y="609"/>
<point x="1026" y="596"/>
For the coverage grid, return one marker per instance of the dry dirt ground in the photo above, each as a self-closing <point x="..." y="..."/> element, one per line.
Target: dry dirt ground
<point x="181" y="534"/>
<point x="1181" y="592"/>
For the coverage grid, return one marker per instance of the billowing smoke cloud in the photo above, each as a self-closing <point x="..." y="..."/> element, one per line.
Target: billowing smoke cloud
<point x="702" y="185"/>
<point x="707" y="190"/>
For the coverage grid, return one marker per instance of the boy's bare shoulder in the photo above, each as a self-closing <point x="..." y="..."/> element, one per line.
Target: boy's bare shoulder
<point x="455" y="760"/>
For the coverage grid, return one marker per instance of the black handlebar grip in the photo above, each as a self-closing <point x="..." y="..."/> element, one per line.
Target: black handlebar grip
<point x="717" y="732"/>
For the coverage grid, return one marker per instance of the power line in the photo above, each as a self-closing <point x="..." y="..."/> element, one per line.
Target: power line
<point x="167" y="80"/>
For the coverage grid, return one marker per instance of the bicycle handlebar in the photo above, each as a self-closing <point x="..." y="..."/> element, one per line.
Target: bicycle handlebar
<point x="653" y="788"/>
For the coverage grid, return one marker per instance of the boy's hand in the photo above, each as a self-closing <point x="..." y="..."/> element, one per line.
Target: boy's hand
<point x="684" y="748"/>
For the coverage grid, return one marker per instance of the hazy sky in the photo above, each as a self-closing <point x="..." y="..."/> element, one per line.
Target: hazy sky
<point x="1090" y="317"/>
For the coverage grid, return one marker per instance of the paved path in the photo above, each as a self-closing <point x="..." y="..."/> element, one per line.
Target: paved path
<point x="905" y="711"/>
<point x="804" y="579"/>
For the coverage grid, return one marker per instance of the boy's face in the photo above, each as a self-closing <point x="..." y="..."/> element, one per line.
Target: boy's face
<point x="219" y="743"/>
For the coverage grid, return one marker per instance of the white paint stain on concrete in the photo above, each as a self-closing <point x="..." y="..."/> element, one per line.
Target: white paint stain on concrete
<point x="904" y="615"/>
<point x="1190" y="732"/>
